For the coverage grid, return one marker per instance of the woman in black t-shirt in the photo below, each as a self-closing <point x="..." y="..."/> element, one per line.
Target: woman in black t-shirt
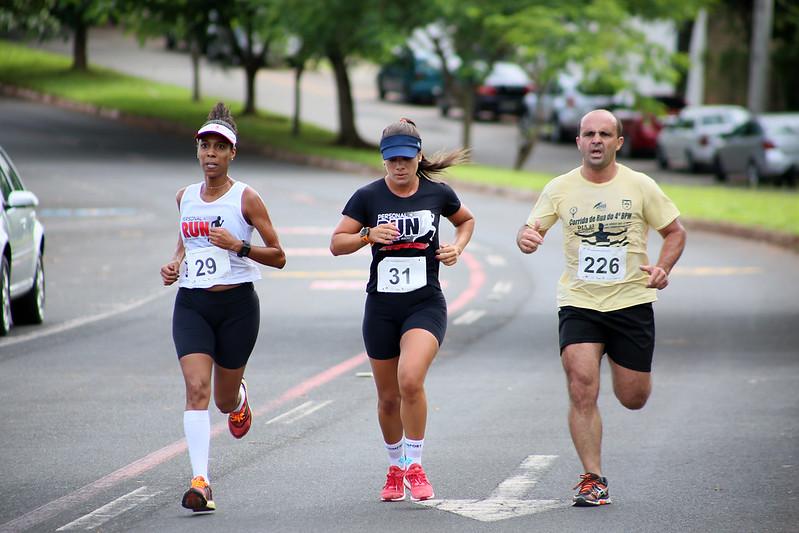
<point x="406" y="315"/>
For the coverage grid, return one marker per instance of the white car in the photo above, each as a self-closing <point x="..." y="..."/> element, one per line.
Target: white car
<point x="764" y="148"/>
<point x="563" y="105"/>
<point x="22" y="245"/>
<point x="692" y="138"/>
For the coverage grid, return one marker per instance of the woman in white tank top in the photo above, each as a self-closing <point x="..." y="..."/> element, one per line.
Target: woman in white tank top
<point x="216" y="316"/>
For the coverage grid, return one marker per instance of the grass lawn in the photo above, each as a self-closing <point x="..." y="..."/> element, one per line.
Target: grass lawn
<point x="771" y="209"/>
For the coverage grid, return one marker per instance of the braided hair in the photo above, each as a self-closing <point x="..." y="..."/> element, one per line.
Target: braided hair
<point x="220" y="114"/>
<point x="438" y="162"/>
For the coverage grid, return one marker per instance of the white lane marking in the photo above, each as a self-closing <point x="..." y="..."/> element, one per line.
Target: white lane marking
<point x="303" y="410"/>
<point x="469" y="317"/>
<point x="110" y="510"/>
<point x="507" y="500"/>
<point x="500" y="289"/>
<point x="496" y="260"/>
<point x="78" y="322"/>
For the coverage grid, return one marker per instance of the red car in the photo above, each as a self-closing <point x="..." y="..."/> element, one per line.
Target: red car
<point x="641" y="129"/>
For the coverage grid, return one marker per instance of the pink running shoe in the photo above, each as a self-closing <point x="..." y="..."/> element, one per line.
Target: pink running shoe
<point x="394" y="490"/>
<point x="416" y="481"/>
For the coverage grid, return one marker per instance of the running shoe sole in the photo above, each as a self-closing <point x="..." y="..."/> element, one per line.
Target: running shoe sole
<point x="408" y="485"/>
<point x="195" y="500"/>
<point x="582" y="502"/>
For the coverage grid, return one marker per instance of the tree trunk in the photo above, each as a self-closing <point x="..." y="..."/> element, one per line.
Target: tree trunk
<point x="295" y="122"/>
<point x="195" y="70"/>
<point x="250" y="71"/>
<point x="79" y="61"/>
<point x="467" y="104"/>
<point x="348" y="133"/>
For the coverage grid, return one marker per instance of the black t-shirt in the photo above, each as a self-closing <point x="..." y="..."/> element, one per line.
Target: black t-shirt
<point x="416" y="217"/>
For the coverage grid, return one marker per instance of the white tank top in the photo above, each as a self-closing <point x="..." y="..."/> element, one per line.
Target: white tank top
<point x="205" y="264"/>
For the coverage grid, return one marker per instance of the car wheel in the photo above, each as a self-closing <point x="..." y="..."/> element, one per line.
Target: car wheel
<point x="753" y="175"/>
<point x="663" y="161"/>
<point x="718" y="170"/>
<point x="693" y="167"/>
<point x="5" y="298"/>
<point x="30" y="308"/>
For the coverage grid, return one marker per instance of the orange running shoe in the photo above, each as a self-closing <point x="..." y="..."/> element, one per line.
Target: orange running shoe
<point x="239" y="422"/>
<point x="593" y="490"/>
<point x="394" y="489"/>
<point x="198" y="498"/>
<point x="416" y="481"/>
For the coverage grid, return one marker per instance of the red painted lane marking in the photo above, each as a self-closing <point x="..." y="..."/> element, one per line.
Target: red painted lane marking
<point x="150" y="461"/>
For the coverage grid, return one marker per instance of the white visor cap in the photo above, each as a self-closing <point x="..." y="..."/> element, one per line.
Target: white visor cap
<point x="221" y="129"/>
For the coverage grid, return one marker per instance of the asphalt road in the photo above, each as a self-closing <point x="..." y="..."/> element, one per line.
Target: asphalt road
<point x="92" y="400"/>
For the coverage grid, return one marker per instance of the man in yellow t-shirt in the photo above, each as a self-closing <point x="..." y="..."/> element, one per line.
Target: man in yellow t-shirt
<point x="605" y="294"/>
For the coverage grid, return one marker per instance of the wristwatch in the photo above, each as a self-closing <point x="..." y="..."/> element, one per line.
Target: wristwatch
<point x="365" y="235"/>
<point x="245" y="249"/>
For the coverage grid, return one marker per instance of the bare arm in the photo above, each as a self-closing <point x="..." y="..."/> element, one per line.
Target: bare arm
<point x="346" y="238"/>
<point x="463" y="220"/>
<point x="254" y="211"/>
<point x="171" y="270"/>
<point x="674" y="237"/>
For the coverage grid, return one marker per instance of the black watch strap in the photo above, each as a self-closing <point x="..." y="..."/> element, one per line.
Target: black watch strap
<point x="245" y="249"/>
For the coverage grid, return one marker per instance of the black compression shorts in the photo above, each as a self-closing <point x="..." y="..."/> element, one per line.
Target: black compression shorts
<point x="628" y="334"/>
<point x="388" y="316"/>
<point x="221" y="324"/>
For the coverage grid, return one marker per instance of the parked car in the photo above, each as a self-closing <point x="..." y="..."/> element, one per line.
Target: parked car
<point x="691" y="139"/>
<point x="22" y="245"/>
<point x="641" y="129"/>
<point x="502" y="92"/>
<point x="412" y="74"/>
<point x="563" y="104"/>
<point x="765" y="148"/>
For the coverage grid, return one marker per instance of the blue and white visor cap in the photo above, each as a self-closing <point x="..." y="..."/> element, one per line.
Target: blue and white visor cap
<point x="221" y="129"/>
<point x="400" y="146"/>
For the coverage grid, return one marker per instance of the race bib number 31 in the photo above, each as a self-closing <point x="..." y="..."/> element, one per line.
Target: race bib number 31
<point x="206" y="264"/>
<point x="401" y="274"/>
<point x="602" y="263"/>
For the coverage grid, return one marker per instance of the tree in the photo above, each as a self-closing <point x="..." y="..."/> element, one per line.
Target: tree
<point x="78" y="16"/>
<point x="184" y="20"/>
<point x="341" y="31"/>
<point x="598" y="37"/>
<point x="474" y="34"/>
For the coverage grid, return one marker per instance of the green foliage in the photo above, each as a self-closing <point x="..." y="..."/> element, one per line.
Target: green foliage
<point x="49" y="73"/>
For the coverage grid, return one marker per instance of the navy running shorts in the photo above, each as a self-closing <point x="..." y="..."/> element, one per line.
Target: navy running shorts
<point x="222" y="324"/>
<point x="387" y="317"/>
<point x="628" y="334"/>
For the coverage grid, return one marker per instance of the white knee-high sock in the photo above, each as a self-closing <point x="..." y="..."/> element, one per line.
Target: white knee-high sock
<point x="395" y="454"/>
<point x="197" y="427"/>
<point x="413" y="451"/>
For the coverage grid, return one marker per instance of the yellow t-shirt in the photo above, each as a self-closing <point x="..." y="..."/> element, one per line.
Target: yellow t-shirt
<point x="605" y="227"/>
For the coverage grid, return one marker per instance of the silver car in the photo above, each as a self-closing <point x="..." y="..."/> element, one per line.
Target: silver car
<point x="22" y="245"/>
<point x="691" y="139"/>
<point x="765" y="148"/>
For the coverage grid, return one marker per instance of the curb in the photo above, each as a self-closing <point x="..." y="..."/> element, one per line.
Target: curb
<point x="783" y="240"/>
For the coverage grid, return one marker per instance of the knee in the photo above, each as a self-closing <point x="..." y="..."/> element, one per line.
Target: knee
<point x="388" y="405"/>
<point x="635" y="400"/>
<point x="411" y="389"/>
<point x="583" y="392"/>
<point x="198" y="393"/>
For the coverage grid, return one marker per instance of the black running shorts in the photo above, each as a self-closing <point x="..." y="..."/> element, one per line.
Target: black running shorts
<point x="222" y="324"/>
<point x="387" y="317"/>
<point x="628" y="334"/>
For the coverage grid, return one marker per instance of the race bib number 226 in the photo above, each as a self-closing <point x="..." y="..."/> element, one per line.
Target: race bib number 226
<point x="602" y="263"/>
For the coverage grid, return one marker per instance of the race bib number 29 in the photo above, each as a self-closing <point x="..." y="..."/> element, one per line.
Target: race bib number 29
<point x="602" y="263"/>
<point x="206" y="264"/>
<point x="401" y="274"/>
